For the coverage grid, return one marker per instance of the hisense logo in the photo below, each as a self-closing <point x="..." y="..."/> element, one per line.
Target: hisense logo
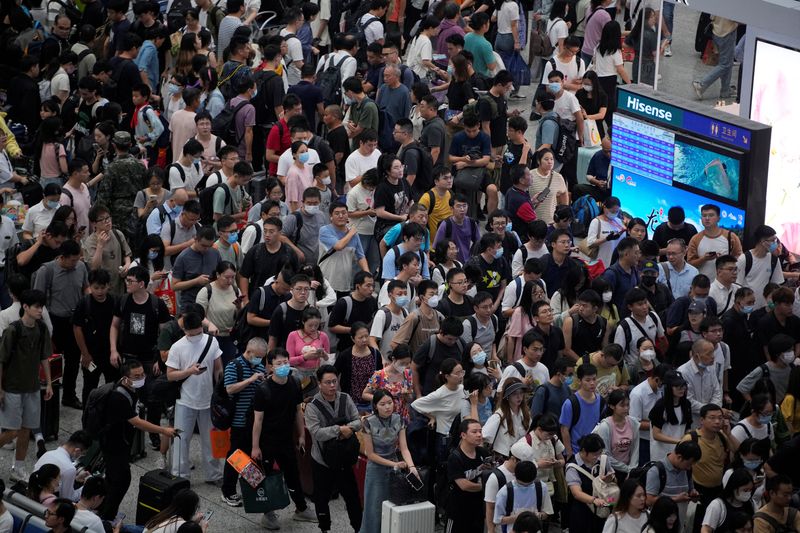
<point x="656" y="112"/>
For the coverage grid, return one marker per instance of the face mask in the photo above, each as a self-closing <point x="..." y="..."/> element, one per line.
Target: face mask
<point x="702" y="366"/>
<point x="747" y="309"/>
<point x="197" y="161"/>
<point x="326" y="181"/>
<point x="400" y="368"/>
<point x="450" y="70"/>
<point x="232" y="238"/>
<point x="52" y="205"/>
<point x="173" y="89"/>
<point x="433" y="301"/>
<point x="255" y="92"/>
<point x="137" y="383"/>
<point x="773" y="246"/>
<point x="771" y="305"/>
<point x="607" y="296"/>
<point x="752" y="465"/>
<point x="587" y="88"/>
<point x="402" y="301"/>
<point x="765" y="419"/>
<point x="648" y="281"/>
<point x="303" y="158"/>
<point x="194" y="338"/>
<point x="479" y="358"/>
<point x="612" y="214"/>
<point x="312" y="209"/>
<point x="472" y="291"/>
<point x="700" y="299"/>
<point x="499" y="253"/>
<point x="509" y="227"/>
<point x="282" y="371"/>
<point x="648" y="355"/>
<point x="743" y="495"/>
<point x="788" y="357"/>
<point x="348" y="100"/>
<point x="568" y="381"/>
<point x="152" y="255"/>
<point x="177" y="210"/>
<point x="554" y="87"/>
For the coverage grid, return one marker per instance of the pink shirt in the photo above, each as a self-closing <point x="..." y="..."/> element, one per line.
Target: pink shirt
<point x="520" y="324"/>
<point x="297" y="181"/>
<point x="183" y="128"/>
<point x="295" y="344"/>
<point x="621" y="439"/>
<point x="49" y="164"/>
<point x="594" y="28"/>
<point x="81" y="202"/>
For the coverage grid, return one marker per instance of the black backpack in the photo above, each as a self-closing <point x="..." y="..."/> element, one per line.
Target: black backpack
<point x="206" y="198"/>
<point x="329" y="80"/>
<point x="423" y="181"/>
<point x="566" y="147"/>
<point x="163" y="140"/>
<point x="176" y="16"/>
<point x="94" y="418"/>
<point x="223" y="405"/>
<point x="181" y="173"/>
<point x="224" y="124"/>
<point x="640" y="473"/>
<point x="337" y="453"/>
<point x="748" y="263"/>
<point x="576" y="408"/>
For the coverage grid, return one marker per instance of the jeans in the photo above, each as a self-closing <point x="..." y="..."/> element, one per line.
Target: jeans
<point x="726" y="46"/>
<point x="241" y="439"/>
<point x="376" y="490"/>
<point x="118" y="479"/>
<point x="325" y="480"/>
<point x="669" y="17"/>
<point x="185" y="419"/>
<point x="504" y="42"/>
<point x="371" y="251"/>
<point x="64" y="339"/>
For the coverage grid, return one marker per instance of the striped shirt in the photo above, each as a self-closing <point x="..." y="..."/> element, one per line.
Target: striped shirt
<point x="244" y="399"/>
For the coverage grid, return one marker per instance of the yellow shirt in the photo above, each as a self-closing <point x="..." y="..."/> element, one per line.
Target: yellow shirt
<point x="709" y="469"/>
<point x="441" y="209"/>
<point x="790" y="409"/>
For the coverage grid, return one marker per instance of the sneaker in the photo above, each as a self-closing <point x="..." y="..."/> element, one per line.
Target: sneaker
<point x="518" y="96"/>
<point x="305" y="516"/>
<point x="233" y="500"/>
<point x="19" y="475"/>
<point x="165" y="462"/>
<point x="270" y="521"/>
<point x="668" y="51"/>
<point x="698" y="89"/>
<point x="40" y="449"/>
<point x="11" y="445"/>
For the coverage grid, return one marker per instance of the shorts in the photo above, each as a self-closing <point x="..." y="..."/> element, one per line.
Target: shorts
<point x="21" y="410"/>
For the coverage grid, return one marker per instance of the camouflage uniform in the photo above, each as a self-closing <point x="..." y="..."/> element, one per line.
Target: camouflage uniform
<point x="124" y="177"/>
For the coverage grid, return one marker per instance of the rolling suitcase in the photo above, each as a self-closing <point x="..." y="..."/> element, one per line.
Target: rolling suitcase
<point x="50" y="412"/>
<point x="157" y="488"/>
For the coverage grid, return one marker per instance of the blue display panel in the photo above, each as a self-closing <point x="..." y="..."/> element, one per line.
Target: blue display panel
<point x="715" y="172"/>
<point x="643" y="149"/>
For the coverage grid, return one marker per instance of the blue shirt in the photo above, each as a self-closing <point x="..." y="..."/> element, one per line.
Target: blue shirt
<point x="679" y="282"/>
<point x="329" y="235"/>
<point x="589" y="418"/>
<point x="547" y="133"/>
<point x="154" y="223"/>
<point x="244" y="398"/>
<point x="462" y="143"/>
<point x="393" y="235"/>
<point x="389" y="270"/>
<point x="147" y="61"/>
<point x="188" y="266"/>
<point x="524" y="500"/>
<point x="598" y="165"/>
<point x="621" y="282"/>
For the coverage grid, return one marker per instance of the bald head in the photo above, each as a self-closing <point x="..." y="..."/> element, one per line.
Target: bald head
<point x="179" y="196"/>
<point x="703" y="353"/>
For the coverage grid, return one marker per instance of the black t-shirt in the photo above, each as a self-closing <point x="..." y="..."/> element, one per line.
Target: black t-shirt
<point x="271" y="302"/>
<point x="494" y="274"/>
<point x="285" y="319"/>
<point x="119" y="436"/>
<point x="360" y="312"/>
<point x="769" y="326"/>
<point x="511" y="159"/>
<point x="459" y="93"/>
<point x="94" y="13"/>
<point x="593" y="106"/>
<point x="323" y="149"/>
<point x="279" y="405"/>
<point x="260" y="264"/>
<point x="43" y="254"/>
<point x="271" y="85"/>
<point x="428" y="367"/>
<point x="126" y="75"/>
<point x="395" y="199"/>
<point x="785" y="460"/>
<point x="94" y="318"/>
<point x="467" y="505"/>
<point x="449" y="308"/>
<point x="337" y="139"/>
<point x="138" y="332"/>
<point x="587" y="338"/>
<point x="553" y="343"/>
<point x="663" y="234"/>
<point x="498" y="124"/>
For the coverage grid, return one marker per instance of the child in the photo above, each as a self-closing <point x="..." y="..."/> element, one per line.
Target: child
<point x="322" y="181"/>
<point x="147" y="127"/>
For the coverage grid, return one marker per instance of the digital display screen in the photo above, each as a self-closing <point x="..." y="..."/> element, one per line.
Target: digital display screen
<point x="714" y="172"/>
<point x="643" y="149"/>
<point x="776" y="76"/>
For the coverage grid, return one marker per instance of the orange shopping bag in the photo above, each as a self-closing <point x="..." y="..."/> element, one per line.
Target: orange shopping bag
<point x="165" y="293"/>
<point x="220" y="443"/>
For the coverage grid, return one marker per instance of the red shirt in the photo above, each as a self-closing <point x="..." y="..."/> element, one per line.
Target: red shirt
<point x="278" y="143"/>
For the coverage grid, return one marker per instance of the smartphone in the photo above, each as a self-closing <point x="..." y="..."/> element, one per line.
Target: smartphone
<point x="414" y="481"/>
<point x="92" y="367"/>
<point x="82" y="229"/>
<point x="203" y="369"/>
<point x="118" y="519"/>
<point x="153" y="197"/>
<point x="544" y="194"/>
<point x="208" y="514"/>
<point x="493" y="363"/>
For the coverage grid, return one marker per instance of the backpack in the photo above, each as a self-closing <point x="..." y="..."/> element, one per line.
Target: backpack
<point x="448" y="230"/>
<point x="540" y="45"/>
<point x="748" y="263"/>
<point x="471" y="109"/>
<point x="329" y="80"/>
<point x="510" y="495"/>
<point x="473" y="324"/>
<point x="625" y="326"/>
<point x="206" y="198"/>
<point x="243" y="329"/>
<point x="787" y="527"/>
<point x="223" y="405"/>
<point x="576" y="408"/>
<point x="12" y="267"/>
<point x="337" y="453"/>
<point x="424" y="176"/>
<point x="176" y="16"/>
<point x="387" y="320"/>
<point x="224" y="124"/>
<point x="640" y="473"/>
<point x="181" y="173"/>
<point x="585" y="209"/>
<point x="605" y="490"/>
<point x="94" y="418"/>
<point x="566" y="147"/>
<point x="360" y="33"/>
<point x="163" y="140"/>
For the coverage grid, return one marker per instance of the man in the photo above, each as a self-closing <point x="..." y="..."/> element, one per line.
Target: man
<point x="698" y="293"/>
<point x="92" y="495"/>
<point x="699" y="372"/>
<point x="586" y="331"/>
<point x="528" y="493"/>
<point x="88" y="106"/>
<point x="522" y="211"/>
<point x="476" y="43"/>
<point x="24" y="345"/>
<point x="231" y="198"/>
<point x="269" y="104"/>
<point x="226" y="245"/>
<point x="278" y="429"/>
<point x="581" y="412"/>
<point x="779" y="320"/>
<point x="147" y="60"/>
<point x="449" y="26"/>
<point x="455" y="301"/>
<point x="673" y="478"/>
<point x="408" y="273"/>
<point x="436" y="201"/>
<point x="417" y="214"/>
<point x="294" y="58"/>
<point x="640" y="322"/>
<point x="611" y="372"/>
<point x="554" y="392"/>
<point x="234" y="19"/>
<point x="778" y="514"/>
<point x="373" y="77"/>
<point x="31" y="255"/>
<point x="493" y="112"/>
<point x="548" y="131"/>
<point x="391" y="56"/>
<point x="118" y="16"/>
<point x="287" y="316"/>
<point x="359" y="306"/>
<point x="496" y="480"/>
<point x="780" y="359"/>
<point x="481" y="327"/>
<point x="433" y="130"/>
<point x="724" y="286"/>
<point x="183" y="127"/>
<point x="528" y="368"/>
<point x="57" y="42"/>
<point x="194" y="267"/>
<point x="738" y="333"/>
<point x="125" y="73"/>
<point x="395" y="298"/>
<point x="106" y="248"/>
<point x="40" y="215"/>
<point x="494" y="268"/>
<point x="658" y="294"/>
<point x="597" y="174"/>
<point x="642" y="399"/>
<point x="23" y="94"/>
<point x="464" y="466"/>
<point x="121" y="423"/>
<point x="724" y="36"/>
<point x="418" y="165"/>
<point x="64" y="457"/>
<point x="134" y="333"/>
<point x="323" y="417"/>
<point x="279" y="138"/>
<point x="211" y="15"/>
<point x="245" y="119"/>
<point x="674" y="228"/>
<point x="343" y="59"/>
<point x="760" y="265"/>
<point x="301" y="229"/>
<point x="228" y="157"/>
<point x="265" y="301"/>
<point x="363" y="111"/>
<point x="179" y="234"/>
<point x="459" y="228"/>
<point x="342" y="246"/>
<point x="63" y="281"/>
<point x="568" y="109"/>
<point x="422" y="323"/>
<point x="122" y="180"/>
<point x="59" y="516"/>
<point x="363" y="158"/>
<point x="310" y="95"/>
<point x="262" y="262"/>
<point x="711" y="242"/>
<point x="624" y="275"/>
<point x="393" y="97"/>
<point x="470" y="152"/>
<point x="518" y="152"/>
<point x="675" y="272"/>
<point x="413" y="235"/>
<point x="445" y="344"/>
<point x="195" y="361"/>
<point x="531" y="271"/>
<point x="172" y="208"/>
<point x="75" y="193"/>
<point x="558" y="263"/>
<point x="337" y="139"/>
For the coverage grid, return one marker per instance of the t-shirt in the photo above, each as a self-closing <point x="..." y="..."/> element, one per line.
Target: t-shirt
<point x="357" y="164"/>
<point x="361" y="311"/>
<point x="498" y="124"/>
<point x="509" y="12"/>
<point x="286" y="161"/>
<point x="243" y="398"/>
<point x="385" y="333"/>
<point x="81" y="202"/>
<point x="606" y="65"/>
<point x="462" y="234"/>
<point x="547" y="208"/>
<point x="189" y="265"/>
<point x="20" y="356"/>
<point x="183" y="128"/>
<point x="188" y="179"/>
<point x="309" y="233"/>
<point x="468" y="505"/>
<point x="589" y="417"/>
<point x="271" y="301"/>
<point x="94" y="318"/>
<point x="482" y="52"/>
<point x="420" y="49"/>
<point x="428" y="367"/>
<point x="572" y="69"/>
<point x="295" y="54"/>
<point x="260" y="264"/>
<point x="441" y="209"/>
<point x="462" y="144"/>
<point x="196" y="389"/>
<point x="556" y="29"/>
<point x="494" y="274"/>
<point x="361" y="199"/>
<point x="285" y="319"/>
<point x="566" y="106"/>
<point x="394" y="198"/>
<point x="119" y="437"/>
<point x="512" y="158"/>
<point x="245" y="118"/>
<point x="298" y="180"/>
<point x="139" y="326"/>
<point x="433" y="136"/>
<point x="310" y="95"/>
<point x="761" y="273"/>
<point x="279" y="405"/>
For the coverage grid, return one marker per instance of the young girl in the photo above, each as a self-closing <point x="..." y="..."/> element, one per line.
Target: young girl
<point x="479" y="363"/>
<point x="52" y="154"/>
<point x="392" y="195"/>
<point x="221" y="300"/>
<point x="790" y="406"/>
<point x="299" y="177"/>
<point x="508" y="424"/>
<point x="478" y="405"/>
<point x="630" y="514"/>
<point x="445" y="256"/>
<point x="43" y="484"/>
<point x="211" y="100"/>
<point x="619" y="431"/>
<point x="583" y="504"/>
<point x="608" y="310"/>
<point x="307" y="345"/>
<point x="593" y="101"/>
<point x="644" y="40"/>
<point x="175" y="100"/>
<point x="751" y="455"/>
<point x="663" y="517"/>
<point x="737" y="496"/>
<point x="274" y="192"/>
<point x="670" y="417"/>
<point x="153" y="195"/>
<point x="357" y="364"/>
<point x="394" y="378"/>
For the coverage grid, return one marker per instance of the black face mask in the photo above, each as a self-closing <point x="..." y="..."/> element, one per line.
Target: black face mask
<point x="648" y="281"/>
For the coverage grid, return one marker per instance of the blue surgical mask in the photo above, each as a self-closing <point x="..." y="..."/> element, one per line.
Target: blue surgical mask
<point x="348" y="100"/>
<point x="702" y="366"/>
<point x="177" y="210"/>
<point x="303" y="158"/>
<point x="233" y="237"/>
<point x="479" y="358"/>
<point x="197" y="161"/>
<point x="52" y="204"/>
<point x="433" y="301"/>
<point x="700" y="299"/>
<point x="773" y="246"/>
<point x="402" y="301"/>
<point x="554" y="87"/>
<point x="747" y="309"/>
<point x="765" y="419"/>
<point x="173" y="89"/>
<point x="499" y="253"/>
<point x="283" y="371"/>
<point x="152" y="256"/>
<point x="568" y="381"/>
<point x="752" y="465"/>
<point x="509" y="227"/>
<point x="771" y="305"/>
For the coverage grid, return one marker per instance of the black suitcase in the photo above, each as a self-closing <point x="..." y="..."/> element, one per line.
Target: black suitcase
<point x="50" y="413"/>
<point x="157" y="488"/>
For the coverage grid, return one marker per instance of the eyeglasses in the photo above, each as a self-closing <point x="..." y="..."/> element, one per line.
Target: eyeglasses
<point x="127" y="280"/>
<point x="103" y="219"/>
<point x="301" y="289"/>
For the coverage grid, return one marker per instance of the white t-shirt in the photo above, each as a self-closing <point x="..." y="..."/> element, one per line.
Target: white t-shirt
<point x="509" y="12"/>
<point x="373" y="31"/>
<point x="539" y="372"/>
<point x="626" y="524"/>
<point x="606" y="250"/>
<point x="421" y="48"/>
<point x="193" y="176"/>
<point x="574" y="69"/>
<point x="739" y="433"/>
<point x="361" y="199"/>
<point x="295" y="54"/>
<point x="249" y="236"/>
<point x="286" y="160"/>
<point x="760" y="274"/>
<point x="380" y="331"/>
<point x="196" y="390"/>
<point x="356" y="164"/>
<point x="719" y="245"/>
<point x="59" y="82"/>
<point x="557" y="29"/>
<point x="566" y="106"/>
<point x="606" y="66"/>
<point x="518" y="265"/>
<point x="490" y="492"/>
<point x="324" y="14"/>
<point x="653" y="329"/>
<point x="7" y="523"/>
<point x="83" y="518"/>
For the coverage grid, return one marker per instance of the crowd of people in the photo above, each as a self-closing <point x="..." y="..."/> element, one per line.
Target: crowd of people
<point x="342" y="224"/>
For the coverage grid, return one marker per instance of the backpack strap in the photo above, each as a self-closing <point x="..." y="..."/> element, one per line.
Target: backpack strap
<point x="576" y="409"/>
<point x="747" y="431"/>
<point x="348" y="302"/>
<point x="431" y="201"/>
<point x="665" y="269"/>
<point x="539" y="495"/>
<point x="777" y="526"/>
<point x="509" y="497"/>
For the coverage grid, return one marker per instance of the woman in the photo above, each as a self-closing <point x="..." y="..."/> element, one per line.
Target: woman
<point x="51" y="154"/>
<point x="153" y="195"/>
<point x="459" y="91"/>
<point x="206" y="42"/>
<point x="272" y="191"/>
<point x="594" y="102"/>
<point x="543" y="447"/>
<point x="322" y="295"/>
<point x="522" y="320"/>
<point x="637" y="228"/>
<point x="508" y="424"/>
<point x="103" y="151"/>
<point x="737" y="497"/>
<point x="445" y="257"/>
<point x="182" y="509"/>
<point x="582" y="504"/>
<point x="619" y="431"/>
<point x="509" y="42"/>
<point x="557" y="29"/>
<point x="307" y="345"/>
<point x="394" y="378"/>
<point x="758" y="424"/>
<point x="790" y="406"/>
<point x="299" y="177"/>
<point x="418" y="91"/>
<point x="545" y="177"/>
<point x="221" y="300"/>
<point x="644" y="40"/>
<point x="419" y="54"/>
<point x="192" y="19"/>
<point x="479" y="362"/>
<point x="190" y="44"/>
<point x="478" y="404"/>
<point x="151" y="256"/>
<point x="211" y="99"/>
<point x="443" y="405"/>
<point x="357" y="364"/>
<point x="663" y="517"/>
<point x="605" y="231"/>
<point x="565" y="300"/>
<point x="630" y="514"/>
<point x="360" y="203"/>
<point x="384" y="433"/>
<point x="392" y="196"/>
<point x="43" y="484"/>
<point x="608" y="310"/>
<point x="608" y="64"/>
<point x="752" y="454"/>
<point x="670" y="417"/>
<point x="596" y="17"/>
<point x="174" y="101"/>
<point x="66" y="214"/>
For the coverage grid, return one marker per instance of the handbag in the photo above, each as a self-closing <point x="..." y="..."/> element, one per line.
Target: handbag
<point x="605" y="490"/>
<point x="167" y="294"/>
<point x="167" y="391"/>
<point x="591" y="134"/>
<point x="401" y="490"/>
<point x="469" y="179"/>
<point x="270" y="495"/>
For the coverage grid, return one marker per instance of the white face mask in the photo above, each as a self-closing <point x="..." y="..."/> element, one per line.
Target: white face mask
<point x="138" y="383"/>
<point x="788" y="357"/>
<point x="648" y="355"/>
<point x="312" y="209"/>
<point x="607" y="296"/>
<point x="744" y="495"/>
